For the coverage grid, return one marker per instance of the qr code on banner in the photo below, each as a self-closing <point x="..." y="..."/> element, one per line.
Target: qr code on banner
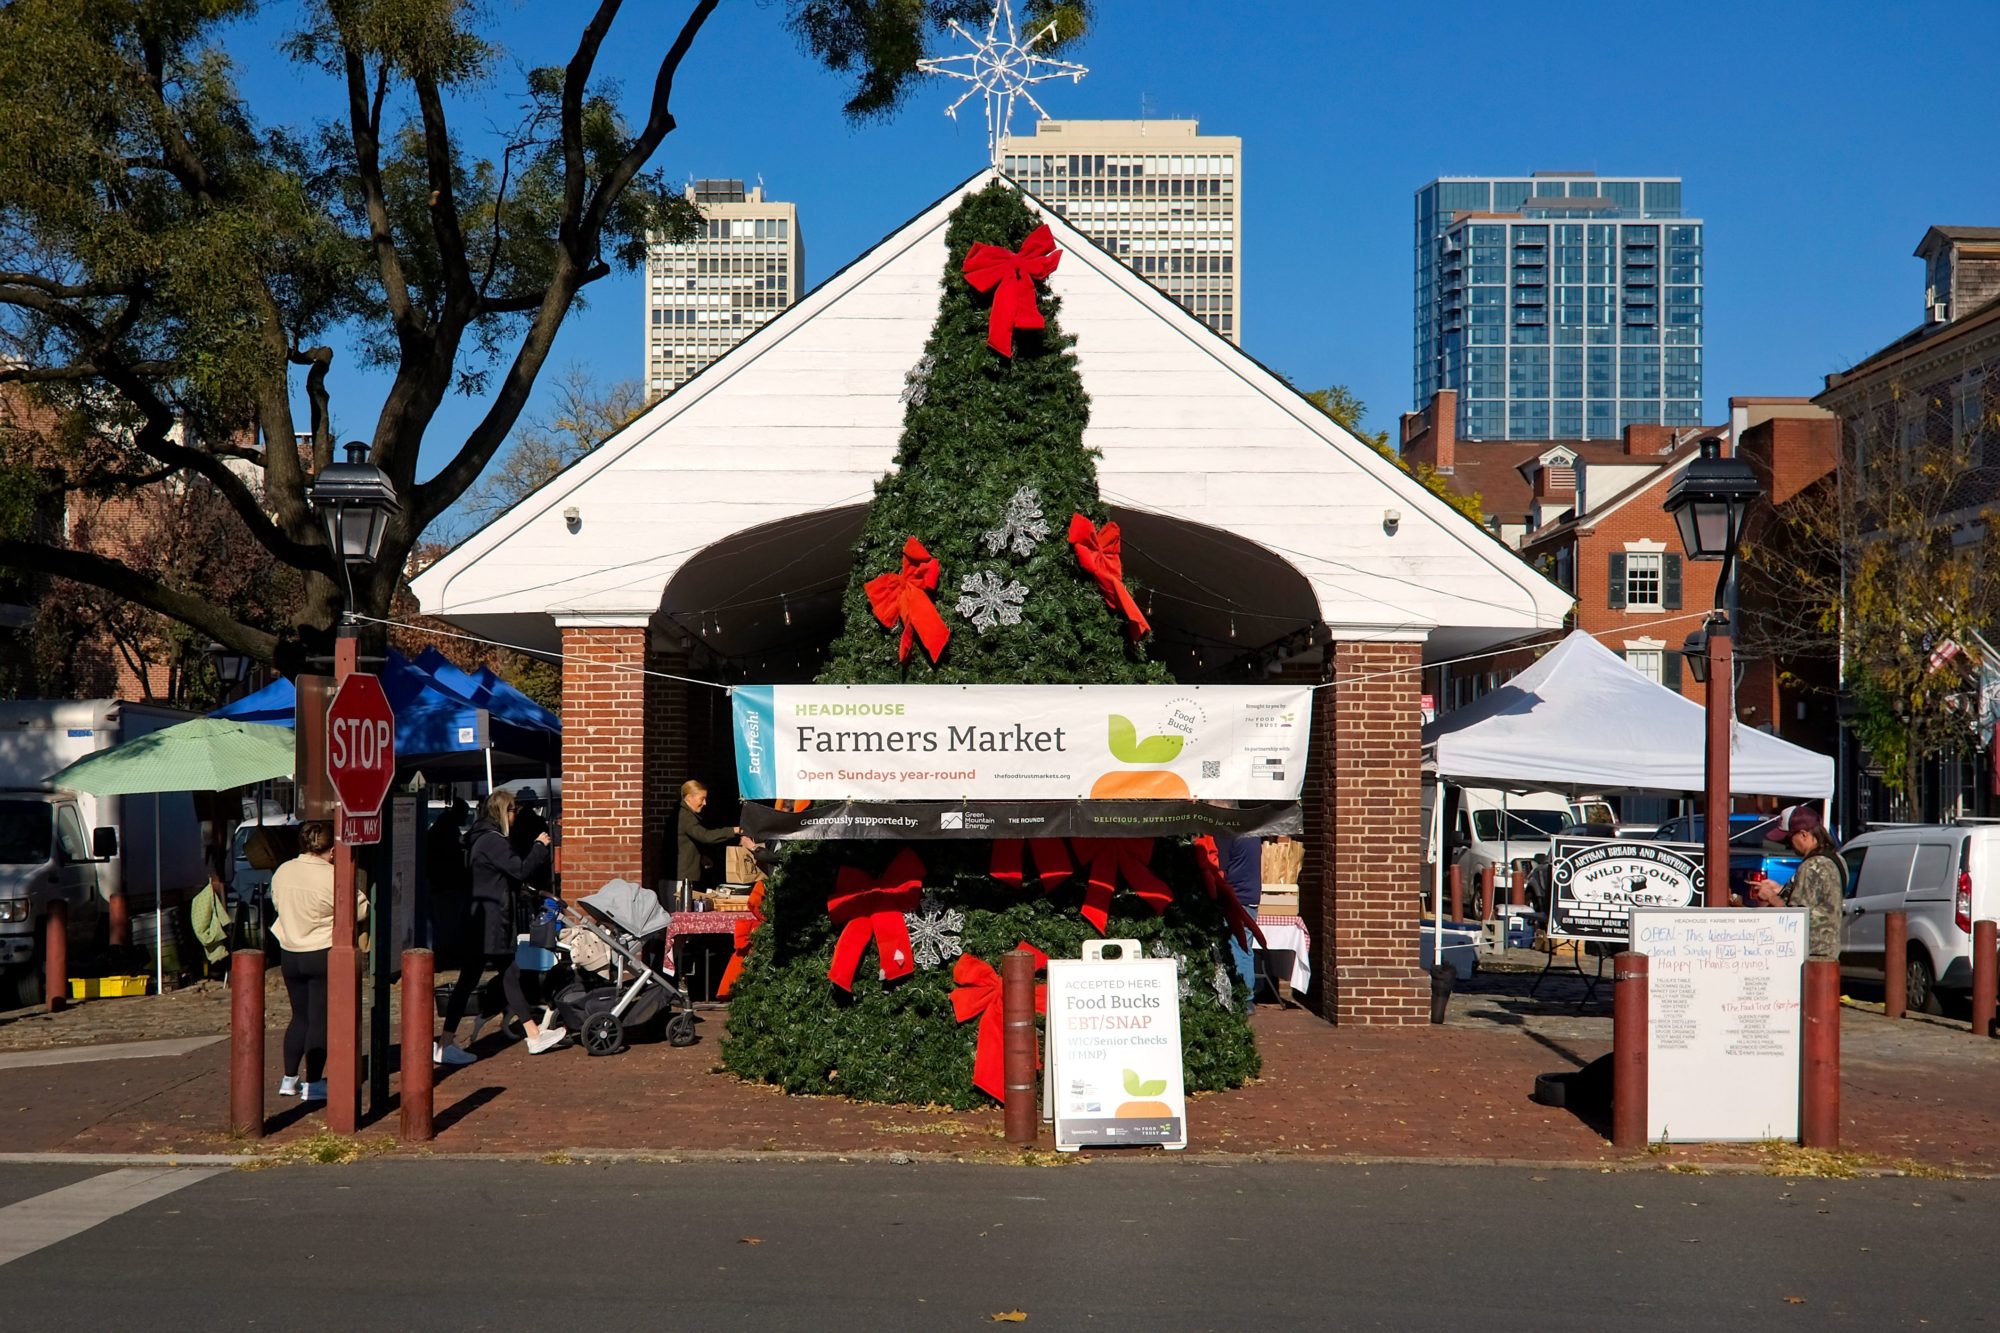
<point x="1211" y="769"/>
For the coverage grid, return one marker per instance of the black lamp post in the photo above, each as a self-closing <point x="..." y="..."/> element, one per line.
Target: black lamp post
<point x="1710" y="502"/>
<point x="354" y="500"/>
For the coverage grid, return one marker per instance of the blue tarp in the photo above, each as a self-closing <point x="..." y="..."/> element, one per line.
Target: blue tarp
<point x="485" y="690"/>
<point x="433" y="721"/>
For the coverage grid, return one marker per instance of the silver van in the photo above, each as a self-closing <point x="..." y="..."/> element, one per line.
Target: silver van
<point x="1943" y="876"/>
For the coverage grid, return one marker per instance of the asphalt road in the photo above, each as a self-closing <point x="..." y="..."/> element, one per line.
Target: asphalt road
<point x="1105" y="1244"/>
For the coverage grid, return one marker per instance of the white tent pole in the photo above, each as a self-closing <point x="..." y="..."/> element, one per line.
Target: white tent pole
<point x="489" y="768"/>
<point x="159" y="910"/>
<point x="1437" y="891"/>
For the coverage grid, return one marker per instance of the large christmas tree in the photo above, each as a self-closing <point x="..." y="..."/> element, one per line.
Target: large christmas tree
<point x="990" y="474"/>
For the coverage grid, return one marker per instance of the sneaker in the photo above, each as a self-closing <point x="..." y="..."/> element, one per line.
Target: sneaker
<point x="313" y="1092"/>
<point x="546" y="1039"/>
<point x="548" y="1019"/>
<point x="450" y="1053"/>
<point x="288" y="1086"/>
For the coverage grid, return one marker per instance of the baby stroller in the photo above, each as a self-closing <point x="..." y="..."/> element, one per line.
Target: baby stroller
<point x="612" y="987"/>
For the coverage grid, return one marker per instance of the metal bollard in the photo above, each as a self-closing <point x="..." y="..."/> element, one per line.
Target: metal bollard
<point x="1895" y="963"/>
<point x="246" y="1043"/>
<point x="419" y="1004"/>
<point x="1984" y="963"/>
<point x="1819" y="1112"/>
<point x="1631" y="977"/>
<point x="1457" y="893"/>
<point x="1487" y="878"/>
<point x="55" y="956"/>
<point x="1517" y="888"/>
<point x="1017" y="1015"/>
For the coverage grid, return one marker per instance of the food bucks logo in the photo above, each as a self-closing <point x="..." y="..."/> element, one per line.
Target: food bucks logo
<point x="1150" y="784"/>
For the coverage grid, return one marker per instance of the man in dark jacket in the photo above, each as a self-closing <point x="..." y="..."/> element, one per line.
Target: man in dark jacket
<point x="530" y="828"/>
<point x="692" y="835"/>
<point x="1243" y="867"/>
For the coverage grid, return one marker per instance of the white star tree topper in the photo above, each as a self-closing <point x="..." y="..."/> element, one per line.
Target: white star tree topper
<point x="1003" y="67"/>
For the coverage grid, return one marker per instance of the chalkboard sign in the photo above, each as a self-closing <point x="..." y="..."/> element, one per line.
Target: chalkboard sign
<point x="1723" y="1022"/>
<point x="1596" y="882"/>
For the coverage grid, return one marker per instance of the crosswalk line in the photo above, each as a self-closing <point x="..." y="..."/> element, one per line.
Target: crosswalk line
<point x="49" y="1219"/>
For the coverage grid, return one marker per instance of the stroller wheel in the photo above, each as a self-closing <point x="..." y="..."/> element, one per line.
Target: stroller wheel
<point x="603" y="1034"/>
<point x="680" y="1029"/>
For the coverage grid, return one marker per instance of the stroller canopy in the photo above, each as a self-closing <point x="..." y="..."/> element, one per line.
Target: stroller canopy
<point x="636" y="910"/>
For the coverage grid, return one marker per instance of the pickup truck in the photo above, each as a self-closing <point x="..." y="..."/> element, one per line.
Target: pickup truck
<point x="1751" y="847"/>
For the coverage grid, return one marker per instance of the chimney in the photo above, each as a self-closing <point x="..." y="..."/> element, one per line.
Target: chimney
<point x="1444" y="430"/>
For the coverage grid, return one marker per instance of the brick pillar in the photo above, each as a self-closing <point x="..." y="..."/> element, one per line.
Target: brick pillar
<point x="667" y="760"/>
<point x="1365" y="927"/>
<point x="604" y="755"/>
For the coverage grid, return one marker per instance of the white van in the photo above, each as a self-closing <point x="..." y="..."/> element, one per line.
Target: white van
<point x="1496" y="827"/>
<point x="1944" y="876"/>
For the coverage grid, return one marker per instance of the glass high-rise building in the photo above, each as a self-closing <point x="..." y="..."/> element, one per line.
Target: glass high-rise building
<point x="745" y="264"/>
<point x="1161" y="195"/>
<point x="1560" y="305"/>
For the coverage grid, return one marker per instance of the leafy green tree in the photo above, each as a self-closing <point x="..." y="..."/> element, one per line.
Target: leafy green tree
<point x="178" y="267"/>
<point x="980" y="430"/>
<point x="1339" y="402"/>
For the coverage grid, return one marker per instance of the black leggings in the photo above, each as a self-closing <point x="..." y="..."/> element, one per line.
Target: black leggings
<point x="468" y="985"/>
<point x="305" y="1035"/>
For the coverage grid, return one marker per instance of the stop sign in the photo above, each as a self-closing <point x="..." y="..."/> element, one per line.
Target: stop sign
<point x="360" y="745"/>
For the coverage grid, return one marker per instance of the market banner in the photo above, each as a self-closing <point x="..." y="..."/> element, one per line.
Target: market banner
<point x="902" y="821"/>
<point x="1021" y="742"/>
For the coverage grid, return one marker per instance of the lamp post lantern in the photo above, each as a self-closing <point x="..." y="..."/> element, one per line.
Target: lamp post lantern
<point x="1710" y="503"/>
<point x="354" y="500"/>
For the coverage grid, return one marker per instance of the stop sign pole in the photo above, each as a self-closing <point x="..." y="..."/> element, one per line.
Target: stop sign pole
<point x="361" y="763"/>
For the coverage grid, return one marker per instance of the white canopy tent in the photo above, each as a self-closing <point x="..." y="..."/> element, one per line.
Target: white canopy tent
<point x="1582" y="720"/>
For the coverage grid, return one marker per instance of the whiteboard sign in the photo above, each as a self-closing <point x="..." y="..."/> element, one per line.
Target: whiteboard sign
<point x="1114" y="1052"/>
<point x="1723" y="1022"/>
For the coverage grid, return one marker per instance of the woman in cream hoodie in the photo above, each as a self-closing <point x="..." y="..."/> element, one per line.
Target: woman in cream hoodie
<point x="302" y="894"/>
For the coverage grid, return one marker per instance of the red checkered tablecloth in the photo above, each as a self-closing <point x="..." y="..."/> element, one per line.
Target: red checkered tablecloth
<point x="1289" y="932"/>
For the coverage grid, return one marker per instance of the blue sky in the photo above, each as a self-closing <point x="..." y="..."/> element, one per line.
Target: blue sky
<point x="1817" y="141"/>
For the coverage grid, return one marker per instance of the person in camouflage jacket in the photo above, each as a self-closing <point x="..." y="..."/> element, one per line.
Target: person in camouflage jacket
<point x="1819" y="885"/>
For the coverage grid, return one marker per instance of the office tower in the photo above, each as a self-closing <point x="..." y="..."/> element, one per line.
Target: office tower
<point x="1159" y="194"/>
<point x="1560" y="305"/>
<point x="745" y="264"/>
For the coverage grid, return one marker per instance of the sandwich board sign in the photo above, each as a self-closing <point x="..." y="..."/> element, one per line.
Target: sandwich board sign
<point x="1724" y="1021"/>
<point x="1113" y="1067"/>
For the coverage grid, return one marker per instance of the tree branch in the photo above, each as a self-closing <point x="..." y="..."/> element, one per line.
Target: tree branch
<point x="576" y="78"/>
<point x="659" y="124"/>
<point x="364" y="115"/>
<point x="101" y="572"/>
<point x="445" y="224"/>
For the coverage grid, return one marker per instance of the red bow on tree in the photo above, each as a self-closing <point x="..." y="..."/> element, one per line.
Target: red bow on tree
<point x="1011" y="276"/>
<point x="1241" y="924"/>
<point x="746" y="926"/>
<point x="870" y="907"/>
<point x="979" y="996"/>
<point x="1108" y="860"/>
<point x="904" y="598"/>
<point x="1100" y="552"/>
<point x="1052" y="863"/>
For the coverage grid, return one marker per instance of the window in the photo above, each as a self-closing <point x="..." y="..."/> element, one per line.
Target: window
<point x="1647" y="662"/>
<point x="1642" y="586"/>
<point x="69" y="835"/>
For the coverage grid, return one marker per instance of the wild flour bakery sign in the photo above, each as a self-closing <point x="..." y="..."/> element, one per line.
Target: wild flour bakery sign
<point x="1597" y="883"/>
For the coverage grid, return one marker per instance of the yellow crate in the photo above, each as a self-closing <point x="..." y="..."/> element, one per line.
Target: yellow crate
<point x="98" y="988"/>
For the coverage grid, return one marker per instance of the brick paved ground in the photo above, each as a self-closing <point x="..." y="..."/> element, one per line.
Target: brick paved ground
<point x="1918" y="1090"/>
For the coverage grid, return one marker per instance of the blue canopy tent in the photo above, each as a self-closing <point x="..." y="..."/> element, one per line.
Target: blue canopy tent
<point x="436" y="727"/>
<point x="484" y="689"/>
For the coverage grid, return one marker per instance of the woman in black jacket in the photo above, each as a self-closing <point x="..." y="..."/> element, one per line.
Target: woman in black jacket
<point x="497" y="877"/>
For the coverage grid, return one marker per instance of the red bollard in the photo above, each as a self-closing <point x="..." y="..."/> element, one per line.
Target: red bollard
<point x="1984" y="962"/>
<point x="1517" y="888"/>
<point x="419" y="1003"/>
<point x="1487" y="876"/>
<point x="1017" y="1016"/>
<point x="1895" y="963"/>
<point x="1457" y="893"/>
<point x="118" y="919"/>
<point x="1630" y="978"/>
<point x="55" y="956"/>
<point x="1819" y="1112"/>
<point x="246" y="1043"/>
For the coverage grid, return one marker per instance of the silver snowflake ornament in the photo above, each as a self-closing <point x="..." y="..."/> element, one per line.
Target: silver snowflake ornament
<point x="988" y="602"/>
<point x="917" y="382"/>
<point x="1022" y="527"/>
<point x="1160" y="950"/>
<point x="934" y="933"/>
<point x="1225" y="988"/>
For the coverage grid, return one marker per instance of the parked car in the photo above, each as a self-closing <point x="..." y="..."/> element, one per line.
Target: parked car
<point x="1943" y="877"/>
<point x="1755" y="847"/>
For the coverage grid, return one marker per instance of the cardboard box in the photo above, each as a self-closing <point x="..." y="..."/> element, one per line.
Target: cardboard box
<point x="1279" y="900"/>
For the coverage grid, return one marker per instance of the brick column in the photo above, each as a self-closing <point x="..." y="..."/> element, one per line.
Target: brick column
<point x="667" y="761"/>
<point x="1367" y="762"/>
<point x="604" y="755"/>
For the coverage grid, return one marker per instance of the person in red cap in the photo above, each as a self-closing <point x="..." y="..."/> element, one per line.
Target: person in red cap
<point x="1819" y="885"/>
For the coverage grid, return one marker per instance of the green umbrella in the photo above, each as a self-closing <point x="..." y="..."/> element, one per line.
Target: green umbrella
<point x="205" y="754"/>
